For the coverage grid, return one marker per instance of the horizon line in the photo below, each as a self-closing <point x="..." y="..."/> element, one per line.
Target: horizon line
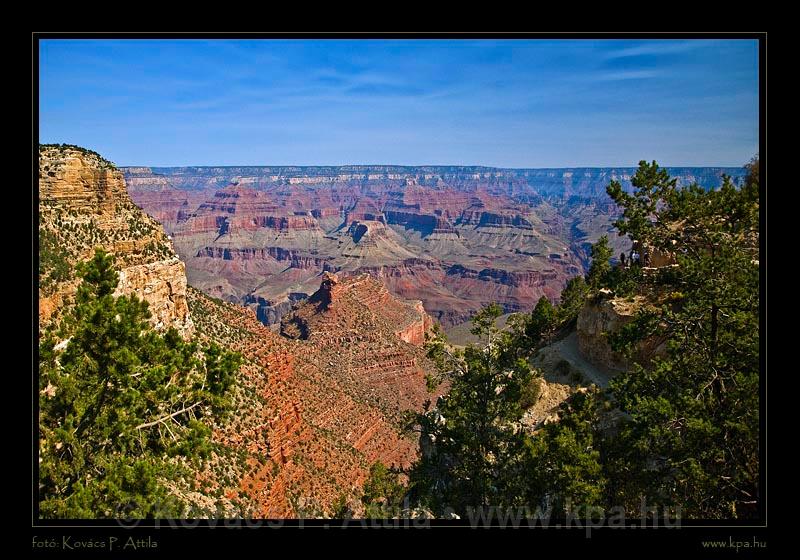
<point x="480" y="166"/>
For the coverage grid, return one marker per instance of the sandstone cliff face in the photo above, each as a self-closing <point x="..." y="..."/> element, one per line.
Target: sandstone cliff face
<point x="163" y="285"/>
<point x="597" y="319"/>
<point x="414" y="332"/>
<point x="83" y="204"/>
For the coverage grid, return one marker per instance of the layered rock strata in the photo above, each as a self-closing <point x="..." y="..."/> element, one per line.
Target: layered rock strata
<point x="478" y="230"/>
<point x="84" y="204"/>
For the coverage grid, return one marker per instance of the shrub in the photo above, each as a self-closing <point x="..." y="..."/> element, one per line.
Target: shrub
<point x="563" y="368"/>
<point x="531" y="393"/>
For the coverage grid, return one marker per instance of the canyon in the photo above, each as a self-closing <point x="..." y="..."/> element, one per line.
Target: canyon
<point x="454" y="238"/>
<point x="326" y="282"/>
<point x="312" y="409"/>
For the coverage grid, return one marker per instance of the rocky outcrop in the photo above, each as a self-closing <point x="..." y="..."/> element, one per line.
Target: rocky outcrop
<point x="595" y="321"/>
<point x="292" y="258"/>
<point x="369" y="242"/>
<point x="452" y="293"/>
<point x="528" y="279"/>
<point x="606" y="315"/>
<point x="285" y="223"/>
<point x="356" y="309"/>
<point x="320" y="213"/>
<point x="84" y="204"/>
<point x="243" y="212"/>
<point x="163" y="285"/>
<point x="414" y="332"/>
<point x="271" y="312"/>
<point x="79" y="181"/>
<point x="365" y="210"/>
<point x="427" y="224"/>
<point x="358" y="231"/>
<point x="480" y="218"/>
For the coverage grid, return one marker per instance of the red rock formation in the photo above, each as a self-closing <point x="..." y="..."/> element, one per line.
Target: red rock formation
<point x="154" y="192"/>
<point x="316" y="412"/>
<point x="452" y="293"/>
<point x="326" y="213"/>
<point x="293" y="258"/>
<point x="365" y="211"/>
<point x="426" y="223"/>
<point x="414" y="332"/>
<point x="356" y="309"/>
<point x="482" y="218"/>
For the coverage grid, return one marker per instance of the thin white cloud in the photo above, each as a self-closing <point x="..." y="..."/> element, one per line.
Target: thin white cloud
<point x="626" y="75"/>
<point x="659" y="47"/>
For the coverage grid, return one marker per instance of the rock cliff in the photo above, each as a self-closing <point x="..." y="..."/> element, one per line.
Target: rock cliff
<point x="164" y="202"/>
<point x="354" y="310"/>
<point x="84" y="204"/>
<point x="606" y="315"/>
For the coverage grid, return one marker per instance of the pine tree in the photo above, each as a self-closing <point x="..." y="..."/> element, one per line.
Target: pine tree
<point x="692" y="432"/>
<point x="600" y="269"/>
<point x="686" y="429"/>
<point x="117" y="400"/>
<point x="383" y="493"/>
<point x="573" y="298"/>
<point x="473" y="452"/>
<point x="567" y="470"/>
<point x="530" y="332"/>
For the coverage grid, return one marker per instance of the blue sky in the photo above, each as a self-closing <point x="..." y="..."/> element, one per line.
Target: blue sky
<point x="506" y="103"/>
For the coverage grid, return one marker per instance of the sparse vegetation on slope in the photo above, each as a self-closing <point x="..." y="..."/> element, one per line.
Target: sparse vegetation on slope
<point x="80" y="149"/>
<point x="54" y="262"/>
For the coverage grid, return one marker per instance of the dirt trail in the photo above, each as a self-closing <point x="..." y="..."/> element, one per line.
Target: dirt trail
<point x="567" y="349"/>
<point x="560" y="382"/>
